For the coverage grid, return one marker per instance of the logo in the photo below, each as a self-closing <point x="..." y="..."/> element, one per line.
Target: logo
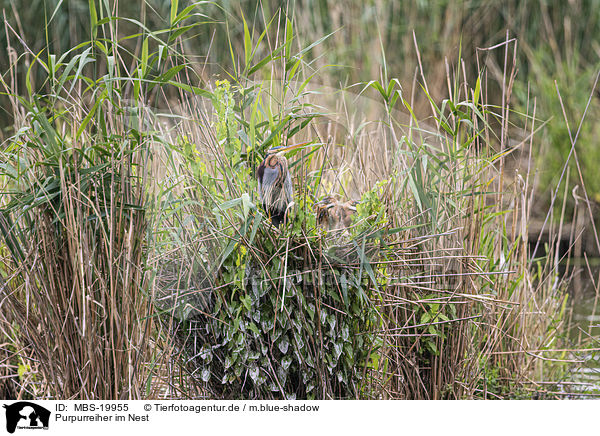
<point x="26" y="415"/>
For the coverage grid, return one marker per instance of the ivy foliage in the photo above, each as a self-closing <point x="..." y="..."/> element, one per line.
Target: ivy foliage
<point x="298" y="326"/>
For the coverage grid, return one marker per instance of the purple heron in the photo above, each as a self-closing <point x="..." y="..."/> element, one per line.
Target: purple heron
<point x="275" y="183"/>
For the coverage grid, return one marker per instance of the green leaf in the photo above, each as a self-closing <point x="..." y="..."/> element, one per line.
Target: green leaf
<point x="193" y="89"/>
<point x="283" y="344"/>
<point x="274" y="55"/>
<point x="286" y="362"/>
<point x="180" y="31"/>
<point x="93" y="18"/>
<point x="246" y="204"/>
<point x="344" y="285"/>
<point x="162" y="54"/>
<point x="84" y="59"/>
<point x="258" y="217"/>
<point x="144" y="57"/>
<point x="186" y="13"/>
<point x="254" y="328"/>
<point x="174" y="6"/>
<point x="22" y="370"/>
<point x="253" y="372"/>
<point x="247" y="302"/>
<point x="247" y="43"/>
<point x="89" y="116"/>
<point x="289" y="36"/>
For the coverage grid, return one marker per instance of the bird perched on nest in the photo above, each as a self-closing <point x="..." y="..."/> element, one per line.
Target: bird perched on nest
<point x="275" y="183"/>
<point x="333" y="214"/>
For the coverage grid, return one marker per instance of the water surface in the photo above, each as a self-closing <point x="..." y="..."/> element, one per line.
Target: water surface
<point x="585" y="325"/>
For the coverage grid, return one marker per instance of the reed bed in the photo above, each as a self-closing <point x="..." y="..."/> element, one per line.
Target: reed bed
<point x="155" y="273"/>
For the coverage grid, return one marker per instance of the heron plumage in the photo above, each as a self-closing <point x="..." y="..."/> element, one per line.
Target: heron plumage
<point x="275" y="186"/>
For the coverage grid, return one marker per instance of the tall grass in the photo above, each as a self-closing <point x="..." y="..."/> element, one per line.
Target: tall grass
<point x="555" y="43"/>
<point x="75" y="220"/>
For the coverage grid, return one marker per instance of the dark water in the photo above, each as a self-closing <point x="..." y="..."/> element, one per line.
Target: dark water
<point x="584" y="327"/>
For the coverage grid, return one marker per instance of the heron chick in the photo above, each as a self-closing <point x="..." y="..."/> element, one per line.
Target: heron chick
<point x="333" y="214"/>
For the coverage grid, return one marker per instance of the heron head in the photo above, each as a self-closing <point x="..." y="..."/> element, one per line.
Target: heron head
<point x="352" y="204"/>
<point x="327" y="202"/>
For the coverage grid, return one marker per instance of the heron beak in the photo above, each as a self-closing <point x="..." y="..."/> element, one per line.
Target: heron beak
<point x="327" y="205"/>
<point x="287" y="148"/>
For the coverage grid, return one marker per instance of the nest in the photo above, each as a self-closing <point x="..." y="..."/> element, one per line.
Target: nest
<point x="276" y="323"/>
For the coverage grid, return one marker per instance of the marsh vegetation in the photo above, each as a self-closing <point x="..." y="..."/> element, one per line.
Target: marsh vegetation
<point x="136" y="260"/>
